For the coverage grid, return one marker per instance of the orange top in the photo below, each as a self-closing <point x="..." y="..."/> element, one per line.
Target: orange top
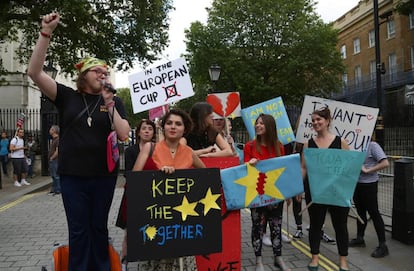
<point x="183" y="156"/>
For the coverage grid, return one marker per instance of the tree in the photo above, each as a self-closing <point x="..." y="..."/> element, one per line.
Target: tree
<point x="117" y="31"/>
<point x="133" y="119"/>
<point x="266" y="49"/>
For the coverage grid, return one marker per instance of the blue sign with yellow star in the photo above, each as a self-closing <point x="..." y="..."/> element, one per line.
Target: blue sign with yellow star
<point x="270" y="181"/>
<point x="173" y="215"/>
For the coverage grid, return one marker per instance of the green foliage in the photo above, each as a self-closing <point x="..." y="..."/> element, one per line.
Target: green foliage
<point x="405" y="7"/>
<point x="117" y="31"/>
<point x="265" y="49"/>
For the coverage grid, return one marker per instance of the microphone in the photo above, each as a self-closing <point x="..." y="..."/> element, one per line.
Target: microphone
<point x="109" y="87"/>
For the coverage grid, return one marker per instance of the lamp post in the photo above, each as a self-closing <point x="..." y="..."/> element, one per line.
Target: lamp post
<point x="379" y="128"/>
<point x="48" y="114"/>
<point x="214" y="72"/>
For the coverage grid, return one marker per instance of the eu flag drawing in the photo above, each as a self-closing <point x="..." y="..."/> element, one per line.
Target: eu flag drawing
<point x="270" y="181"/>
<point x="333" y="174"/>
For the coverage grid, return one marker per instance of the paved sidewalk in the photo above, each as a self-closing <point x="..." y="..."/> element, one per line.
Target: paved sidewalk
<point x="40" y="219"/>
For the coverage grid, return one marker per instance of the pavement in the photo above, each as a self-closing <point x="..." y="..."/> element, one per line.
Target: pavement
<point x="31" y="221"/>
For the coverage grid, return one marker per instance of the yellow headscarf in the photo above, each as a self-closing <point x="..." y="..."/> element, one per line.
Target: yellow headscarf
<point x="89" y="62"/>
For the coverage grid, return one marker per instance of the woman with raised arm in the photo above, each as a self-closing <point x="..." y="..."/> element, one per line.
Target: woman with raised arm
<point x="324" y="139"/>
<point x="87" y="116"/>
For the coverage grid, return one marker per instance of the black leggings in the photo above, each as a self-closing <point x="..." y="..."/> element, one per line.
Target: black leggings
<point x="339" y="218"/>
<point x="260" y="217"/>
<point x="366" y="200"/>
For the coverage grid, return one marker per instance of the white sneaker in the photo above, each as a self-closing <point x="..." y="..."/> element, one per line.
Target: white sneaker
<point x="16" y="183"/>
<point x="286" y="239"/>
<point x="266" y="241"/>
<point x="25" y="182"/>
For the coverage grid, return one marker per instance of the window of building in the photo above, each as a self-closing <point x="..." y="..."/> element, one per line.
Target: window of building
<point x="358" y="75"/>
<point x="412" y="58"/>
<point x="371" y="38"/>
<point x="345" y="79"/>
<point x="411" y="16"/>
<point x="343" y="51"/>
<point x="357" y="46"/>
<point x="391" y="29"/>
<point x="373" y="70"/>
<point x="392" y="66"/>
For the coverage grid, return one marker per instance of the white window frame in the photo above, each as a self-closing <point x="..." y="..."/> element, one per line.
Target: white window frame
<point x="357" y="46"/>
<point x="391" y="28"/>
<point x="371" y="38"/>
<point x="357" y="75"/>
<point x="411" y="19"/>
<point x="373" y="70"/>
<point x="392" y="65"/>
<point x="343" y="51"/>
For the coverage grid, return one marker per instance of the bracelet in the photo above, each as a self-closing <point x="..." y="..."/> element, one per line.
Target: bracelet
<point x="45" y="35"/>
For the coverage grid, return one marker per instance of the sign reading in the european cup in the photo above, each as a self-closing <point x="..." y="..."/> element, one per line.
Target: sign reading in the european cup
<point x="163" y="84"/>
<point x="354" y="123"/>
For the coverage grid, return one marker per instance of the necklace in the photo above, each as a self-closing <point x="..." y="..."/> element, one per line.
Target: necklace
<point x="89" y="119"/>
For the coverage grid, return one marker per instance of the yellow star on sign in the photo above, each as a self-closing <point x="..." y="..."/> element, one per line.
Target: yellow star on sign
<point x="209" y="201"/>
<point x="186" y="209"/>
<point x="250" y="182"/>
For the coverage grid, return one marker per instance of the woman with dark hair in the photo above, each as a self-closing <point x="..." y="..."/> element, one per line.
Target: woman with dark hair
<point x="168" y="155"/>
<point x="265" y="146"/>
<point x="144" y="132"/>
<point x="203" y="136"/>
<point x="324" y="139"/>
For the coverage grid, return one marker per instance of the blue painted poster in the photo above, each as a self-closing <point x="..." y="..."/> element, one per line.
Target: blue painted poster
<point x="274" y="107"/>
<point x="333" y="174"/>
<point x="270" y="181"/>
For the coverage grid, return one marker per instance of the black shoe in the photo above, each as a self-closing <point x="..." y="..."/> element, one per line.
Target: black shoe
<point x="380" y="251"/>
<point x="51" y="193"/>
<point x="357" y="242"/>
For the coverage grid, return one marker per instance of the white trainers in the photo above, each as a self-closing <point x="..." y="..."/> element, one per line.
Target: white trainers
<point x="25" y="182"/>
<point x="266" y="240"/>
<point x="16" y="183"/>
<point x="286" y="239"/>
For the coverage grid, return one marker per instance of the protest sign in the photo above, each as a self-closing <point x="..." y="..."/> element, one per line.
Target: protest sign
<point x="173" y="215"/>
<point x="163" y="84"/>
<point x="276" y="108"/>
<point x="225" y="105"/>
<point x="270" y="181"/>
<point x="158" y="112"/>
<point x="333" y="174"/>
<point x="354" y="123"/>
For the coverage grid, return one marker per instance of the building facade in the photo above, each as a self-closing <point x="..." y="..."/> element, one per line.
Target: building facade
<point x="356" y="43"/>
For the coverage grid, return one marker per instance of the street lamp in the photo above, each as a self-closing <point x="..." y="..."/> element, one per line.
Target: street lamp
<point x="48" y="114"/>
<point x="214" y="72"/>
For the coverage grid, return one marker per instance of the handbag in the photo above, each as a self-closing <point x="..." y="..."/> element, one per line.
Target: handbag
<point x="112" y="151"/>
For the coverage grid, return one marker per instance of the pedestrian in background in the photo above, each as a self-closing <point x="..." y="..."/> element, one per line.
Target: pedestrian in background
<point x="265" y="146"/>
<point x="17" y="149"/>
<point x="87" y="116"/>
<point x="53" y="160"/>
<point x="4" y="152"/>
<point x="324" y="139"/>
<point x="31" y="155"/>
<point x="366" y="199"/>
<point x="204" y="136"/>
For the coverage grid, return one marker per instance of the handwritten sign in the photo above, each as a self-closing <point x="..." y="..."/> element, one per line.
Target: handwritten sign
<point x="173" y="215"/>
<point x="164" y="84"/>
<point x="276" y="108"/>
<point x="158" y="112"/>
<point x="270" y="181"/>
<point x="225" y="104"/>
<point x="354" y="123"/>
<point x="333" y="174"/>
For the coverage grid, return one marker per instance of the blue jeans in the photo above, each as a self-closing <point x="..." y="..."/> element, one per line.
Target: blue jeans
<point x="87" y="201"/>
<point x="53" y="166"/>
<point x="30" y="167"/>
<point x="4" y="159"/>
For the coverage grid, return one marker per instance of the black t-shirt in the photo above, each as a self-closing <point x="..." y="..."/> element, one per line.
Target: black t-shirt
<point x="82" y="149"/>
<point x="198" y="142"/>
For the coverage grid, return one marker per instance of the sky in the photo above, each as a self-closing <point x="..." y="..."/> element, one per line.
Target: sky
<point x="188" y="11"/>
